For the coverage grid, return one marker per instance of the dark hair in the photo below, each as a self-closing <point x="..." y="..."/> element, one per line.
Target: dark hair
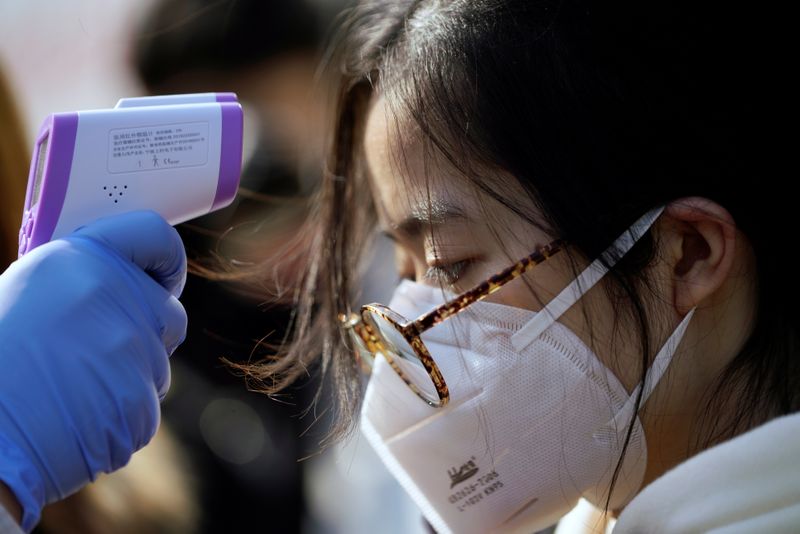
<point x="222" y="35"/>
<point x="601" y="111"/>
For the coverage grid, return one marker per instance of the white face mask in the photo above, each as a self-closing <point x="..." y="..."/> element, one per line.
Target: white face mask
<point x="535" y="421"/>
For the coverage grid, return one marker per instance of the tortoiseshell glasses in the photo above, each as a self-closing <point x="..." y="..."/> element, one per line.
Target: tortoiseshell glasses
<point x="379" y="330"/>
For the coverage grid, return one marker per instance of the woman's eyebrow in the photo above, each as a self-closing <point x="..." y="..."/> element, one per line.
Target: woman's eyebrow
<point x="424" y="216"/>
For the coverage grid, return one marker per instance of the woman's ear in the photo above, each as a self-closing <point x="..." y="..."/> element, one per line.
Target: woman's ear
<point x="700" y="242"/>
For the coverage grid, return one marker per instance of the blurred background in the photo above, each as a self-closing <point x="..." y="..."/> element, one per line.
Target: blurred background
<point x="225" y="459"/>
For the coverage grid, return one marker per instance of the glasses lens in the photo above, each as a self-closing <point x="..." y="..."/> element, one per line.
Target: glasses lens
<point x="402" y="355"/>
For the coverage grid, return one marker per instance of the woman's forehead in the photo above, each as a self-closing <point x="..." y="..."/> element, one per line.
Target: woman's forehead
<point x="413" y="180"/>
<point x="405" y="178"/>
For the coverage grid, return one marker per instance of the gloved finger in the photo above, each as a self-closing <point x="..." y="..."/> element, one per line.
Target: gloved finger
<point x="173" y="321"/>
<point x="162" y="387"/>
<point x="147" y="240"/>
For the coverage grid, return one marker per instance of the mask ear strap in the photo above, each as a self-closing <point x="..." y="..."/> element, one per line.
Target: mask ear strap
<point x="654" y="374"/>
<point x="583" y="283"/>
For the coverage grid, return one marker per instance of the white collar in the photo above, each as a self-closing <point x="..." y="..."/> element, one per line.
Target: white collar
<point x="748" y="484"/>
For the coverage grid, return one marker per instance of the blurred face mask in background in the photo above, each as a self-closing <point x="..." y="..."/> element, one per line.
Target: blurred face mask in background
<point x="535" y="420"/>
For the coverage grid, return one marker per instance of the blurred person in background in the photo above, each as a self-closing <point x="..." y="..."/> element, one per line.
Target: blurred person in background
<point x="245" y="448"/>
<point x="14" y="161"/>
<point x="267" y="53"/>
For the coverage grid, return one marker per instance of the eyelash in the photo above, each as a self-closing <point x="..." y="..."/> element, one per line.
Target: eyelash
<point x="448" y="274"/>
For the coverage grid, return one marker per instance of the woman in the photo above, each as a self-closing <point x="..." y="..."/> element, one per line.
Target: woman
<point x="593" y="305"/>
<point x="605" y="145"/>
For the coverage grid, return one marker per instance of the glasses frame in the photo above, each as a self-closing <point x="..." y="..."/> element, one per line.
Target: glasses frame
<point x="366" y="336"/>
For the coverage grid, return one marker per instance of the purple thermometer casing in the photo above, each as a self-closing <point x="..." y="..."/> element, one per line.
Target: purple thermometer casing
<point x="52" y="157"/>
<point x="72" y="168"/>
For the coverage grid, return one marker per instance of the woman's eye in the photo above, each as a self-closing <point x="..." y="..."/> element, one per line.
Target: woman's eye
<point x="448" y="274"/>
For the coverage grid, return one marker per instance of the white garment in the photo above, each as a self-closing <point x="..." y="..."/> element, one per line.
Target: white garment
<point x="750" y="484"/>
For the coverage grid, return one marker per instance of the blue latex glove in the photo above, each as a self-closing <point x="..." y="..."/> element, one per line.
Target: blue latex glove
<point x="87" y="324"/>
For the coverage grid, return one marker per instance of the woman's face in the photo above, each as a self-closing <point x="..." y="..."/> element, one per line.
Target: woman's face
<point x="447" y="233"/>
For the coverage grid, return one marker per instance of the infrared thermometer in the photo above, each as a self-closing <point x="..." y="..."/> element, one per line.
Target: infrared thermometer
<point x="179" y="155"/>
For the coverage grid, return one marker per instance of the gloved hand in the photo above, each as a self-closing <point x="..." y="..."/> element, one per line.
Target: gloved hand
<point x="87" y="324"/>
